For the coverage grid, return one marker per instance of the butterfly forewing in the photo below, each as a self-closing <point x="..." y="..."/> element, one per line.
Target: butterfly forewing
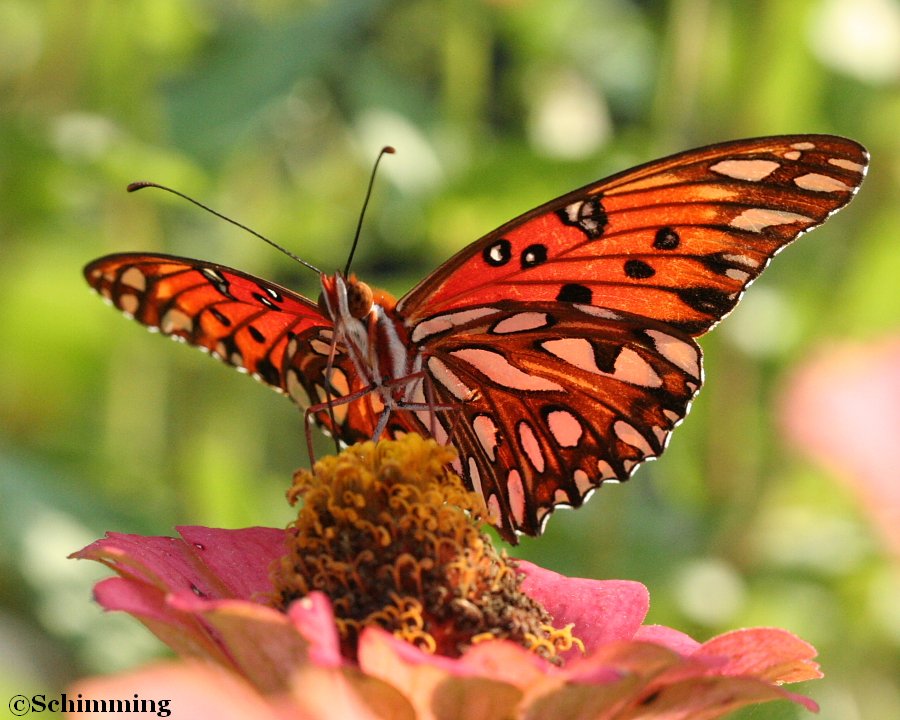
<point x="676" y="240"/>
<point x="251" y="324"/>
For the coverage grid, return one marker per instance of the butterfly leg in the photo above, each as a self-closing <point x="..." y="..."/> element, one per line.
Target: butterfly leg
<point x="329" y="369"/>
<point x="329" y="405"/>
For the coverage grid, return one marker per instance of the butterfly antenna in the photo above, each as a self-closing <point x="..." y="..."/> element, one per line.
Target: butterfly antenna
<point x="135" y="186"/>
<point x="386" y="150"/>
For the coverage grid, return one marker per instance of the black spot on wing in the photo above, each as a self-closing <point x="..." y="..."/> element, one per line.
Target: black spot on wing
<point x="707" y="300"/>
<point x="220" y="316"/>
<point x="256" y="334"/>
<point x="265" y="300"/>
<point x="638" y="270"/>
<point x="666" y="239"/>
<point x="273" y="293"/>
<point x="218" y="280"/>
<point x="575" y="293"/>
<point x="497" y="253"/>
<point x="268" y="372"/>
<point x="589" y="216"/>
<point x="605" y="356"/>
<point x="719" y="264"/>
<point x="534" y="255"/>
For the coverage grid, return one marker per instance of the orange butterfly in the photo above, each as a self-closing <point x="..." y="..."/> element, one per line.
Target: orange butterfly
<point x="557" y="352"/>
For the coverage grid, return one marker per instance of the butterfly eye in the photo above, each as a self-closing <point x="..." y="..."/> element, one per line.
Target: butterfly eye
<point x="359" y="298"/>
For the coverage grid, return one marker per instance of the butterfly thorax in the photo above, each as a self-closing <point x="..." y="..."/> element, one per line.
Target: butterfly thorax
<point x="367" y="330"/>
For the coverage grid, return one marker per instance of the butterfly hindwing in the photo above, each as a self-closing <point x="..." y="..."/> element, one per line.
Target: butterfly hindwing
<point x="554" y="399"/>
<point x="676" y="240"/>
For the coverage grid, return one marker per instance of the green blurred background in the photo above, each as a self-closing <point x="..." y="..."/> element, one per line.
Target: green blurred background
<point x="273" y="111"/>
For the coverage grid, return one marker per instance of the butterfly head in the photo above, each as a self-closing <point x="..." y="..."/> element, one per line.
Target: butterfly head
<point x="350" y="297"/>
<point x="345" y="297"/>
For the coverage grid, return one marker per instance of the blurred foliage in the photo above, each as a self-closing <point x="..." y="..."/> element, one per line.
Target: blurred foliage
<point x="273" y="111"/>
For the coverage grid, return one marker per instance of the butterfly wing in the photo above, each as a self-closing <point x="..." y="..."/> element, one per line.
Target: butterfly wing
<point x="556" y="398"/>
<point x="277" y="336"/>
<point x="626" y="270"/>
<point x="676" y="240"/>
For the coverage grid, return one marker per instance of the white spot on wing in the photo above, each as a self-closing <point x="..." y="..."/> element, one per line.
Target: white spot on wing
<point x="498" y="369"/>
<point x="441" y="323"/>
<point x="660" y="434"/>
<point x="803" y="146"/>
<point x="531" y="446"/>
<point x="744" y="260"/>
<point x="576" y="351"/>
<point x="129" y="304"/>
<point x="740" y="275"/>
<point x="846" y="164"/>
<point x="486" y="432"/>
<point x="792" y="155"/>
<point x="565" y="428"/>
<point x="582" y="482"/>
<point x="605" y="470"/>
<point x="599" y="312"/>
<point x="678" y="352"/>
<point x="494" y="510"/>
<point x="821" y="183"/>
<point x="516" y="496"/>
<point x="446" y="377"/>
<point x="758" y="219"/>
<point x="749" y="170"/>
<point x="318" y="346"/>
<point x="521" y="322"/>
<point x="134" y="278"/>
<point x="629" y="435"/>
<point x="632" y="368"/>
<point x="176" y="320"/>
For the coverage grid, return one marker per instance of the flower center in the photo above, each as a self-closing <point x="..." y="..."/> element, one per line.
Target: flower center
<point x="394" y="539"/>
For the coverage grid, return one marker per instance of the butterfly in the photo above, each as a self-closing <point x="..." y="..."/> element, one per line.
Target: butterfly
<point x="555" y="353"/>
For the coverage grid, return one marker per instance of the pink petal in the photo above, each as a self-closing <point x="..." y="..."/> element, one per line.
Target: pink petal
<point x="432" y="687"/>
<point x="770" y="654"/>
<point x="602" y="610"/>
<point x="319" y="693"/>
<point x="240" y="559"/>
<point x="260" y="643"/>
<point x="705" y="698"/>
<point x="313" y="617"/>
<point x="675" y="640"/>
<point x="608" y="684"/>
<point x="166" y="563"/>
<point x="185" y="633"/>
<point x="658" y="683"/>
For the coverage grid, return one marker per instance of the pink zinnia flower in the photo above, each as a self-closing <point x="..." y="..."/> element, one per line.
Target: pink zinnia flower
<point x="555" y="647"/>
